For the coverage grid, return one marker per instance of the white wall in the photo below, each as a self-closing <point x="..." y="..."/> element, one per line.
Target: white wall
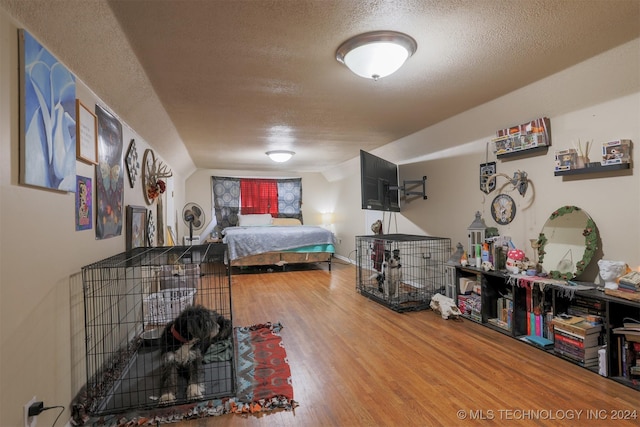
<point x="41" y="322"/>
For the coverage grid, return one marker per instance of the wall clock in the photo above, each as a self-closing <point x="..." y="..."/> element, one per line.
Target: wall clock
<point x="503" y="209"/>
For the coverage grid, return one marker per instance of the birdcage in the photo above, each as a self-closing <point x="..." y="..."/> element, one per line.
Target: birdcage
<point x="129" y="299"/>
<point x="401" y="271"/>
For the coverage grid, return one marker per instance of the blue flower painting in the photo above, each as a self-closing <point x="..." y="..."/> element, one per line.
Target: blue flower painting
<point x="49" y="125"/>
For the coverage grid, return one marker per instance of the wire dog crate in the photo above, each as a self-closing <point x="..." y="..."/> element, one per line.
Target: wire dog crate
<point x="401" y="271"/>
<point x="128" y="300"/>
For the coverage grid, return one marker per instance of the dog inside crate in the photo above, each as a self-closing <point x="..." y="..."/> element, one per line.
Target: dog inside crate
<point x="401" y="271"/>
<point x="157" y="335"/>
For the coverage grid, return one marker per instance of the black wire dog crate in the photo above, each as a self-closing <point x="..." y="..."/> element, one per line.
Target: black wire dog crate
<point x="401" y="271"/>
<point x="128" y="300"/>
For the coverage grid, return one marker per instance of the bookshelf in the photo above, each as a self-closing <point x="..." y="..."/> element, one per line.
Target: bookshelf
<point x="507" y="308"/>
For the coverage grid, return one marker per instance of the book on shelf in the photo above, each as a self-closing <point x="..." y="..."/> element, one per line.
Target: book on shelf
<point x="630" y="334"/>
<point x="539" y="341"/>
<point x="631" y="279"/>
<point x="581" y="353"/>
<point x="576" y="325"/>
<point x="581" y="342"/>
<point x="499" y="323"/>
<point x="586" y="363"/>
<point x="626" y="287"/>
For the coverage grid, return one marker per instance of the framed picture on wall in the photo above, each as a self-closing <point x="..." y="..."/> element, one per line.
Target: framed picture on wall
<point x="136" y="227"/>
<point x="86" y="134"/>
<point x="84" y="203"/>
<point x="47" y="118"/>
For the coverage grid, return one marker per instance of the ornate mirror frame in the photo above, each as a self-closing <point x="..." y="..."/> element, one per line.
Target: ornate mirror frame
<point x="590" y="234"/>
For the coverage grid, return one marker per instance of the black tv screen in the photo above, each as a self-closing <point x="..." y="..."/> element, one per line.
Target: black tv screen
<point x="379" y="183"/>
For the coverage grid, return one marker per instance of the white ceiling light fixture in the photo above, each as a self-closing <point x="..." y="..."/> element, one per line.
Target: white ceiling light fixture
<point x="280" y="156"/>
<point x="376" y="54"/>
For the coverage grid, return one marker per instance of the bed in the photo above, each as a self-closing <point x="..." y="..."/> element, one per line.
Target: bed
<point x="262" y="240"/>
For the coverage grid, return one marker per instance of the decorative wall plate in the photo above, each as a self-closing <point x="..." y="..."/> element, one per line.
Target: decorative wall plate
<point x="486" y="170"/>
<point x="133" y="164"/>
<point x="503" y="209"/>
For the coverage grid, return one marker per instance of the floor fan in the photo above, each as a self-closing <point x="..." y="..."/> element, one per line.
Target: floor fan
<point x="193" y="216"/>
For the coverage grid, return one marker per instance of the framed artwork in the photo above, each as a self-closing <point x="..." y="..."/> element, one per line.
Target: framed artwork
<point x="160" y="221"/>
<point x="47" y="118"/>
<point x="133" y="163"/>
<point x="84" y="205"/>
<point x="151" y="230"/>
<point x="86" y="134"/>
<point x="136" y="227"/>
<point x="109" y="176"/>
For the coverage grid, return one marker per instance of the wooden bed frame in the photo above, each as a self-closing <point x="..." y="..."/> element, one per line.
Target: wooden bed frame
<point x="283" y="258"/>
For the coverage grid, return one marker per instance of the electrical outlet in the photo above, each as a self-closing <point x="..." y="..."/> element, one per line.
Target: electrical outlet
<point x="29" y="421"/>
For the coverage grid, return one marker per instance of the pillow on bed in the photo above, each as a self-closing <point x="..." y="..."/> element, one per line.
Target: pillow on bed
<point x="254" y="220"/>
<point x="286" y="221"/>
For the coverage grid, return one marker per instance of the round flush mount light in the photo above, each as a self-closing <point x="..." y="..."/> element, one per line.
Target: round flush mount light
<point x="376" y="54"/>
<point x="280" y="156"/>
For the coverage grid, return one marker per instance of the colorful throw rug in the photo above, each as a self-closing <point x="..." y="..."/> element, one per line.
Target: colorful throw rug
<point x="263" y="381"/>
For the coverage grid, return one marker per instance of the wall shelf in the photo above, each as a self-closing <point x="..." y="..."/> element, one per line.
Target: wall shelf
<point x="542" y="149"/>
<point x="594" y="167"/>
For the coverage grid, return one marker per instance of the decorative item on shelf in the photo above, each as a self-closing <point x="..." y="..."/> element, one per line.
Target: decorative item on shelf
<point x="583" y="154"/>
<point x="133" y="163"/>
<point x="154" y="175"/>
<point x="566" y="159"/>
<point x="616" y="152"/>
<point x="533" y="134"/>
<point x="568" y="228"/>
<point x="611" y="271"/>
<point x="464" y="261"/>
<point x="477" y="233"/>
<point x="535" y="245"/>
<point x="456" y="257"/>
<point x="503" y="209"/>
<point x="515" y="259"/>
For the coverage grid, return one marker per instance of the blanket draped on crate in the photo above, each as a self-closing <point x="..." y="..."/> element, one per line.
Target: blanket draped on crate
<point x="263" y="379"/>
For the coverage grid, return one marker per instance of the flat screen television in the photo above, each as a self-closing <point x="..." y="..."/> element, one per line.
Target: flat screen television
<point x="379" y="183"/>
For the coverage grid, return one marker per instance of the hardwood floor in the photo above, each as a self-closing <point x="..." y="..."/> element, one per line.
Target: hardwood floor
<point x="357" y="363"/>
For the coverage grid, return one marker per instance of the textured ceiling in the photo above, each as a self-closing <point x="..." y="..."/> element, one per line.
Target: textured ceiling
<point x="215" y="84"/>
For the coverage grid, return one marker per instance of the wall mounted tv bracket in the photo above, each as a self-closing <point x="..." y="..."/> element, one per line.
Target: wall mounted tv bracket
<point x="406" y="185"/>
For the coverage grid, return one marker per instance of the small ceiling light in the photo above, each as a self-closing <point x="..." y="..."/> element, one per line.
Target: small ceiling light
<point x="376" y="54"/>
<point x="280" y="156"/>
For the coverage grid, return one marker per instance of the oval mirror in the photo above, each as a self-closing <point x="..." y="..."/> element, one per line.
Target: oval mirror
<point x="567" y="243"/>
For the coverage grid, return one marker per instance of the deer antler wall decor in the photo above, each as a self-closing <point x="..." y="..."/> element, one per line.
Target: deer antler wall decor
<point x="520" y="181"/>
<point x="154" y="175"/>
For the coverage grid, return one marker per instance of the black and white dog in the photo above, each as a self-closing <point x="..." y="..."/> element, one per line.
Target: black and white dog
<point x="389" y="278"/>
<point x="184" y="342"/>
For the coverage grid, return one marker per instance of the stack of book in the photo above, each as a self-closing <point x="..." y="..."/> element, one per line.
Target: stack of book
<point x="629" y="349"/>
<point x="504" y="312"/>
<point x="577" y="340"/>
<point x="630" y="282"/>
